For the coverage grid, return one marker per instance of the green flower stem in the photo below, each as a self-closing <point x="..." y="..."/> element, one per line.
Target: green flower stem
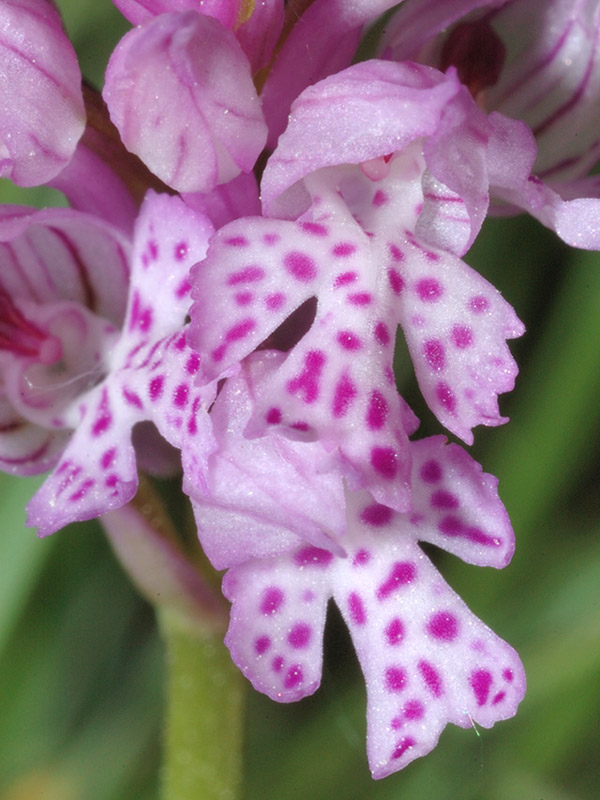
<point x="204" y="716"/>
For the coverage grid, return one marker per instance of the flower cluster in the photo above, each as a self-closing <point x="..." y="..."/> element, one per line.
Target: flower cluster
<point x="255" y="333"/>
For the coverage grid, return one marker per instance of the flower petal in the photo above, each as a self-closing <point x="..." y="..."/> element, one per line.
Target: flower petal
<point x="42" y="114"/>
<point x="179" y="90"/>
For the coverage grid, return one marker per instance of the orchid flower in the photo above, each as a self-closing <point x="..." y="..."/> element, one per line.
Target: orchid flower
<point x="42" y="115"/>
<point x="427" y="660"/>
<point x="536" y="63"/>
<point x="377" y="244"/>
<point x="86" y="351"/>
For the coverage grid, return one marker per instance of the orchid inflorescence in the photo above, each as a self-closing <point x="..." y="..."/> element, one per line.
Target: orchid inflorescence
<point x="299" y="210"/>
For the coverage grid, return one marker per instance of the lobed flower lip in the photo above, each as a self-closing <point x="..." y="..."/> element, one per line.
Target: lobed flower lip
<point x="42" y="115"/>
<point x="427" y="660"/>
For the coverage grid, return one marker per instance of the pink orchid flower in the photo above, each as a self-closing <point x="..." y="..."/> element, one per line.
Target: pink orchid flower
<point x="426" y="659"/>
<point x="92" y="343"/>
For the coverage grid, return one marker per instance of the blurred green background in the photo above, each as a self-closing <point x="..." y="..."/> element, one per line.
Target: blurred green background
<point x="81" y="665"/>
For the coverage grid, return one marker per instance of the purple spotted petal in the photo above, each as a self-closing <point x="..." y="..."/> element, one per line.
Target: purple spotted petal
<point x="456" y="505"/>
<point x="264" y="496"/>
<point x="320" y="44"/>
<point x="150" y="376"/>
<point x="427" y="660"/>
<point x="277" y="618"/>
<point x="456" y="325"/>
<point x="337" y="383"/>
<point x="42" y="114"/>
<point x="179" y="90"/>
<point x="169" y="238"/>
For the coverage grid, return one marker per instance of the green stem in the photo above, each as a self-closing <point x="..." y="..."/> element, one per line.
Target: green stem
<point x="205" y="714"/>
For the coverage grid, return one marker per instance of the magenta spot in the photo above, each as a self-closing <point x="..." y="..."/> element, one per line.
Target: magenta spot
<point x="155" y="388"/>
<point x="403" y="745"/>
<point x="431" y="677"/>
<point x="343" y="249"/>
<point x="395" y="679"/>
<point x="414" y="709"/>
<point x="345" y="392"/>
<point x="481" y="682"/>
<point x="277" y="664"/>
<point x="382" y="334"/>
<point x="446" y="397"/>
<point x="394" y="632"/>
<point x="300" y="266"/>
<point x="102" y="424"/>
<point x="508" y="675"/>
<point x="462" y="336"/>
<point x="379" y="198"/>
<point x="183" y="289"/>
<point x="153" y="248"/>
<point x="313" y="557"/>
<point x="396" y="280"/>
<point x="376" y="515"/>
<point x="132" y="398"/>
<point x="240" y="330"/>
<point x="294" y="677"/>
<point x="308" y="380"/>
<point x="396" y="723"/>
<point x="395" y="252"/>
<point x="271" y="600"/>
<point x="108" y="458"/>
<point x="348" y="340"/>
<point x="361" y="558"/>
<point x="192" y="426"/>
<point x="180" y="395"/>
<point x="181" y="250"/>
<point x="237" y="241"/>
<point x="431" y="472"/>
<point x="479" y="304"/>
<point x="314" y="228"/>
<point x="356" y="609"/>
<point x="308" y="596"/>
<point x="261" y="645"/>
<point x="429" y="290"/>
<point x="243" y="298"/>
<point x="299" y="636"/>
<point x="249" y="274"/>
<point x="300" y="426"/>
<point x="271" y="238"/>
<point x="274" y="301"/>
<point x="360" y="298"/>
<point x="274" y="416"/>
<point x="112" y="481"/>
<point x="344" y="278"/>
<point x="498" y="698"/>
<point x="455" y="528"/>
<point x="444" y="499"/>
<point x="384" y="461"/>
<point x="401" y="574"/>
<point x="82" y="491"/>
<point x="443" y="625"/>
<point x="180" y="342"/>
<point x="433" y="350"/>
<point x="377" y="411"/>
<point x="192" y="365"/>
